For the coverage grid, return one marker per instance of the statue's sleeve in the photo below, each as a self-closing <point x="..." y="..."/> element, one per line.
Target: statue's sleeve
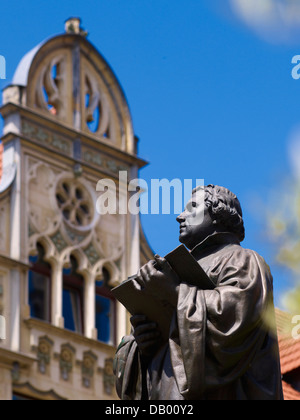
<point x="217" y="332"/>
<point x="127" y="370"/>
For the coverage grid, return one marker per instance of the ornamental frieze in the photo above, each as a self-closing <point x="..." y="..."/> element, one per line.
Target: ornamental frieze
<point x="46" y="137"/>
<point x="99" y="160"/>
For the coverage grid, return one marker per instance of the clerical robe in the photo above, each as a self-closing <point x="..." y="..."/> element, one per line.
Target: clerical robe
<point x="222" y="345"/>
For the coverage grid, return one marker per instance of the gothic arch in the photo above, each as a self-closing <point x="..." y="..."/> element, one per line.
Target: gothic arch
<point x="113" y="270"/>
<point x="87" y="97"/>
<point x="83" y="264"/>
<point x="49" y="248"/>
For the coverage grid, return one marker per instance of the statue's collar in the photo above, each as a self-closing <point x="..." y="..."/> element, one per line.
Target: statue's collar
<point x="214" y="240"/>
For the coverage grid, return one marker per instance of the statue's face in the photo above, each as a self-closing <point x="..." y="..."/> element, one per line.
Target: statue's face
<point x="191" y="233"/>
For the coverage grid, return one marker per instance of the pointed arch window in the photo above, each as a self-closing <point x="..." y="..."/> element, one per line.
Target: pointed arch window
<point x="73" y="290"/>
<point x="39" y="284"/>
<point x="105" y="310"/>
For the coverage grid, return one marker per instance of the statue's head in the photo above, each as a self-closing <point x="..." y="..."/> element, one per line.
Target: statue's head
<point x="221" y="211"/>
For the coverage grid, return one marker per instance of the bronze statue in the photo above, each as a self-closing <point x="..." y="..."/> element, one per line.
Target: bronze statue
<point x="220" y="346"/>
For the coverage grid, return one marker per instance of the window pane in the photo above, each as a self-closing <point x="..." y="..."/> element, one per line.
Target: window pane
<point x="39" y="286"/>
<point x="105" y="318"/>
<point x="71" y="310"/>
<point x="18" y="397"/>
<point x="39" y="296"/>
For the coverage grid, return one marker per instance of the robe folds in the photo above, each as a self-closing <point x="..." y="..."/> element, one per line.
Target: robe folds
<point x="222" y="345"/>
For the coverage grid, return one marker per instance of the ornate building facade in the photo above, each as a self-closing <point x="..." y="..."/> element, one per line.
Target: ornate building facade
<point x="67" y="125"/>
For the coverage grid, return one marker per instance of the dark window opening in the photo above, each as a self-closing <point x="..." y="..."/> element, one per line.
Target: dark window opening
<point x="73" y="285"/>
<point x="105" y="310"/>
<point x="39" y="284"/>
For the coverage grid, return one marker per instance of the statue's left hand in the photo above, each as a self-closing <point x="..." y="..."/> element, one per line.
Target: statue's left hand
<point x="160" y="279"/>
<point x="146" y="335"/>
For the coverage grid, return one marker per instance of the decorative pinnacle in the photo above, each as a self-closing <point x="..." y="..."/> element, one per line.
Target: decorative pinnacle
<point x="73" y="26"/>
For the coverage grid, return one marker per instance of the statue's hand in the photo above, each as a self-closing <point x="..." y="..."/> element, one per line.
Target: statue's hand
<point x="146" y="335"/>
<point x="160" y="280"/>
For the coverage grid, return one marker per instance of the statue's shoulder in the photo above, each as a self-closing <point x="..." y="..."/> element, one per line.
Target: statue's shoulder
<point x="241" y="255"/>
<point x="249" y="257"/>
<point x="235" y="251"/>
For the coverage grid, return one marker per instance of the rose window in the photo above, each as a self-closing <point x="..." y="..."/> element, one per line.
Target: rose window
<point x="74" y="202"/>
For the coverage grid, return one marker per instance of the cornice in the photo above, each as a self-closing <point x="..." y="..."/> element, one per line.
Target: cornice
<point x="69" y="336"/>
<point x="12" y="263"/>
<point x="9" y="357"/>
<point x="33" y="392"/>
<point x="54" y="124"/>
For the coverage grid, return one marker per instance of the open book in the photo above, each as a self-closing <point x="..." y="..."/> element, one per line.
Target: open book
<point x="139" y="301"/>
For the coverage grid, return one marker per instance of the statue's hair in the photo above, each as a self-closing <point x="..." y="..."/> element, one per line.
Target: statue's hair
<point x="225" y="208"/>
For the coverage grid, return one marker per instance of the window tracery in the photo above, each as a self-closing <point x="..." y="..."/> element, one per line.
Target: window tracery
<point x="74" y="202"/>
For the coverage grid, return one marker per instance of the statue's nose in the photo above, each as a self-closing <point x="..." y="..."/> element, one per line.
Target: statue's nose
<point x="180" y="218"/>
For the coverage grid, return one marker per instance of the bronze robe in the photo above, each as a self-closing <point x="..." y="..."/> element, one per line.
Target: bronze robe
<point x="220" y="347"/>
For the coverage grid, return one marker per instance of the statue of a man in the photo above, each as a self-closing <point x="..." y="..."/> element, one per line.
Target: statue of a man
<point x="220" y="345"/>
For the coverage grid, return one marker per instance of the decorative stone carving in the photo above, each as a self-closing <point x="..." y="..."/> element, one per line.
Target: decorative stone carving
<point x="46" y="137"/>
<point x="73" y="26"/>
<point x="31" y="231"/>
<point x="42" y="212"/>
<point x="15" y="372"/>
<point x="74" y="236"/>
<point x="74" y="202"/>
<point x="92" y="254"/>
<point x="93" y="158"/>
<point x="50" y="87"/>
<point x="108" y="376"/>
<point x="96" y="109"/>
<point x="88" y="368"/>
<point x="12" y="94"/>
<point x="59" y="241"/>
<point x="63" y="216"/>
<point x="101" y="161"/>
<point x="44" y="353"/>
<point x="110" y="236"/>
<point x="66" y="361"/>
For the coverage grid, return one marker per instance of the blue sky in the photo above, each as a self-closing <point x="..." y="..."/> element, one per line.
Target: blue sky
<point x="209" y="97"/>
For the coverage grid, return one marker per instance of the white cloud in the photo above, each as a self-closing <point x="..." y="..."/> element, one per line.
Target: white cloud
<point x="274" y="20"/>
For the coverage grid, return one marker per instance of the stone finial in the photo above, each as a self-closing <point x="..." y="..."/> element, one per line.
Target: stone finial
<point x="73" y="26"/>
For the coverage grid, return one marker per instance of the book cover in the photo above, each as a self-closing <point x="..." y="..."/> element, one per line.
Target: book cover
<point x="139" y="301"/>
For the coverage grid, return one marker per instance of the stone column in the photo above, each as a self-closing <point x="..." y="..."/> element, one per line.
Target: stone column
<point x="15" y="305"/>
<point x="89" y="307"/>
<point x="57" y="286"/>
